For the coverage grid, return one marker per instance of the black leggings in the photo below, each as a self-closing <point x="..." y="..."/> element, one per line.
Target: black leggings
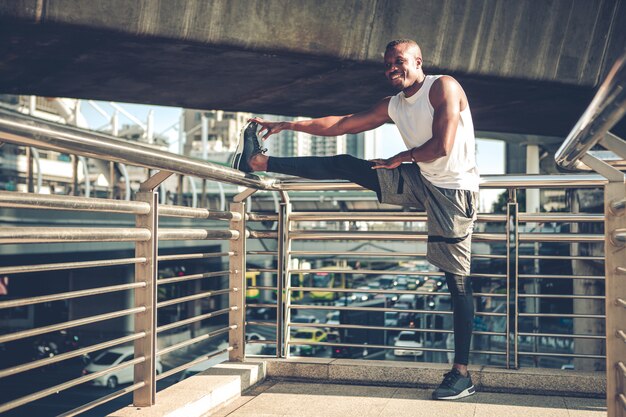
<point x="359" y="171"/>
<point x="339" y="167"/>
<point x="463" y="315"/>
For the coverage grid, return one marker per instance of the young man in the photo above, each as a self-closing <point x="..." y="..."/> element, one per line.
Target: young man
<point x="437" y="174"/>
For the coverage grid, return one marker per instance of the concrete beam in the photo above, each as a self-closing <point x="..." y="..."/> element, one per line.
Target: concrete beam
<point x="527" y="68"/>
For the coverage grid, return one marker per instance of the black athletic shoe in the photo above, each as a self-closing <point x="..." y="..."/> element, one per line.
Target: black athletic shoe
<point x="248" y="147"/>
<point x="454" y="386"/>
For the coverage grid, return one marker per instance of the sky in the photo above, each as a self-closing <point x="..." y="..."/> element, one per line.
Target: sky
<point x="489" y="153"/>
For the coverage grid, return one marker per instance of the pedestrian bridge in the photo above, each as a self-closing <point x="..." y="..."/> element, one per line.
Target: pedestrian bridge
<point x="527" y="67"/>
<point x="509" y="340"/>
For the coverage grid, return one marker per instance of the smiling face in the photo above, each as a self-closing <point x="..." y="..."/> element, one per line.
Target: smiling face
<point x="403" y="67"/>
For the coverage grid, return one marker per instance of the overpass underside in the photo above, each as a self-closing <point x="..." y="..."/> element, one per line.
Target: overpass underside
<point x="527" y="67"/>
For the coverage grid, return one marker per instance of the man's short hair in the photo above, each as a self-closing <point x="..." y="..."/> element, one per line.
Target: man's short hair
<point x="397" y="42"/>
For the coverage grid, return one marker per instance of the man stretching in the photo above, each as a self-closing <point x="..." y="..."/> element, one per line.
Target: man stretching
<point x="437" y="174"/>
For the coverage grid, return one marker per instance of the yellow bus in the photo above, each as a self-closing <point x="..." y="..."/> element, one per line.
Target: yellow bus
<point x="254" y="294"/>
<point x="330" y="279"/>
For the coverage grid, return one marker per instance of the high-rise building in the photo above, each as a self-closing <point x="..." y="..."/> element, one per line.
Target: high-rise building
<point x="290" y="143"/>
<point x="223" y="129"/>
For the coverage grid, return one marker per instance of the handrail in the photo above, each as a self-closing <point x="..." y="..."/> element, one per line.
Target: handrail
<point x="605" y="110"/>
<point x="486" y="181"/>
<point x="21" y="129"/>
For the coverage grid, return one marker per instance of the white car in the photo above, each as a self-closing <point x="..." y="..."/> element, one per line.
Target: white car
<point x="110" y="358"/>
<point x="408" y="339"/>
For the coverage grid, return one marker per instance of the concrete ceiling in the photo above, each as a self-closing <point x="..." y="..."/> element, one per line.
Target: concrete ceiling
<point x="526" y="69"/>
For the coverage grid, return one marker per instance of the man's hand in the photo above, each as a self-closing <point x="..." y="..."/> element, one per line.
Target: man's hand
<point x="270" y="128"/>
<point x="390" y="163"/>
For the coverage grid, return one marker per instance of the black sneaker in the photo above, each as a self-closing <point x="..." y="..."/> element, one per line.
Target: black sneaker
<point x="247" y="147"/>
<point x="454" y="386"/>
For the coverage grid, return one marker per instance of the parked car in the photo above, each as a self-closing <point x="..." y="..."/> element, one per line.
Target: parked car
<point x="110" y="358"/>
<point x="254" y="348"/>
<point x="407" y="339"/>
<point x="308" y="335"/>
<point x="333" y="317"/>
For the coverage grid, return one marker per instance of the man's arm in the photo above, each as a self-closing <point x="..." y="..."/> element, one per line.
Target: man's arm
<point x="447" y="98"/>
<point x="332" y="125"/>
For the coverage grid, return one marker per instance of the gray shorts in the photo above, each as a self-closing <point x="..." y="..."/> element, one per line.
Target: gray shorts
<point x="451" y="214"/>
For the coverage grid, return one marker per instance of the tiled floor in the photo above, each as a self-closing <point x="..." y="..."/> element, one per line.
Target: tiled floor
<point x="295" y="399"/>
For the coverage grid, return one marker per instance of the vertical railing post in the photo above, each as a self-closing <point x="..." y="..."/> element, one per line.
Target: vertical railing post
<point x="146" y="297"/>
<point x="145" y="322"/>
<point x="512" y="268"/>
<point x="283" y="305"/>
<point x="615" y="284"/>
<point x="237" y="284"/>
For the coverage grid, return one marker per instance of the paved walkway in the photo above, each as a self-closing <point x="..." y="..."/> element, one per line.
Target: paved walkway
<point x="296" y="399"/>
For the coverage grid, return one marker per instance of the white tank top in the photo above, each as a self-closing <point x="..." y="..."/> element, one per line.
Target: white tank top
<point x="414" y="118"/>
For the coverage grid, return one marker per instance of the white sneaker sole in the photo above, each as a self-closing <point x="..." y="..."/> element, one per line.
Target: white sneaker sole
<point x="465" y="393"/>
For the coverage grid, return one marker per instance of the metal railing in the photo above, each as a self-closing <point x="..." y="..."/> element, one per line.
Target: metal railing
<point x="606" y="109"/>
<point x="512" y="343"/>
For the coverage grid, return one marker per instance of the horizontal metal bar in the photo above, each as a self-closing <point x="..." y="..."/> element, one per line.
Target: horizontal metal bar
<point x="71" y="203"/>
<point x="559" y="217"/>
<point x="260" y="217"/>
<point x="621" y="301"/>
<point x="389" y="328"/>
<point x="621" y="269"/>
<point x="369" y="272"/>
<point x="262" y="252"/>
<point x="606" y="109"/>
<point x="618" y="207"/>
<point x="486" y="181"/>
<point x="197" y="234"/>
<point x="394" y="292"/>
<point x="410" y="236"/>
<point x="367" y="346"/>
<point x="164" y="281"/>
<point x="71" y="234"/>
<point x="195" y="319"/>
<point x="564" y="257"/>
<point x="22" y="269"/>
<point x="357" y="255"/>
<point x="262" y="288"/>
<point x="194" y="297"/>
<point x="69" y="384"/>
<point x="26" y="130"/>
<point x="572" y="316"/>
<point x="562" y="296"/>
<point x="68" y="295"/>
<point x="533" y="276"/>
<point x="195" y="340"/>
<point x="618" y="237"/>
<point x="197" y="213"/>
<point x="260" y="305"/>
<point x="68" y="324"/>
<point x="399" y="216"/>
<point x="261" y="342"/>
<point x="565" y="355"/>
<point x="566" y="336"/>
<point x="102" y="400"/>
<point x="165" y="258"/>
<point x="261" y="323"/>
<point x="559" y="237"/>
<point x="384" y="309"/>
<point x="622" y="335"/>
<point x="622" y="400"/>
<point x="273" y="270"/>
<point x="192" y="363"/>
<point x="263" y="234"/>
<point x="68" y="355"/>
